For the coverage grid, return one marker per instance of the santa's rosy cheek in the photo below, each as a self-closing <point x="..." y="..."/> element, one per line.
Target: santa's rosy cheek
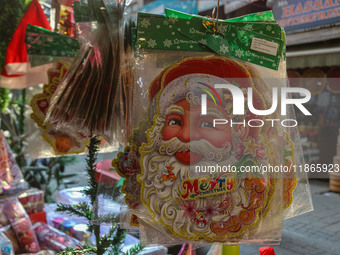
<point x="170" y="132"/>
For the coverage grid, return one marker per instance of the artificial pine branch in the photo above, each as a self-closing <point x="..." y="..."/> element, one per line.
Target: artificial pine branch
<point x="108" y="191"/>
<point x="91" y="160"/>
<point x="108" y="218"/>
<point x="80" y="210"/>
<point x="115" y="238"/>
<point x="92" y="190"/>
<point x="135" y="249"/>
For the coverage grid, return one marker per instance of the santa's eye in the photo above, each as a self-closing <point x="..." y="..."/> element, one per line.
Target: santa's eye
<point x="175" y="122"/>
<point x="207" y="124"/>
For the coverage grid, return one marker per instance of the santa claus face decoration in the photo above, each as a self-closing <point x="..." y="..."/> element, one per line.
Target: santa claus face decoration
<point x="187" y="201"/>
<point x="184" y="122"/>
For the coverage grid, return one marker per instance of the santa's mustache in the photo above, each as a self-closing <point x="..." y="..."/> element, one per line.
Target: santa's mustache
<point x="202" y="147"/>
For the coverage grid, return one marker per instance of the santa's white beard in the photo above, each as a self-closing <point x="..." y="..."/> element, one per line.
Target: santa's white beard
<point x="163" y="197"/>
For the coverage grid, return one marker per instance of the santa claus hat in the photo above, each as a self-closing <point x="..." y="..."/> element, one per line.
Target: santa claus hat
<point x="196" y="74"/>
<point x="17" y="73"/>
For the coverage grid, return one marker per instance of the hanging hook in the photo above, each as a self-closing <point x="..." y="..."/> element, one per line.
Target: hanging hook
<point x="218" y="9"/>
<point x="213" y="22"/>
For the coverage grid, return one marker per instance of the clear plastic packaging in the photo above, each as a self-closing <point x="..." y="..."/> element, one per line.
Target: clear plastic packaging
<point x="53" y="239"/>
<point x="6" y="247"/>
<point x="11" y="178"/>
<point x="32" y="200"/>
<point x="203" y="179"/>
<point x="46" y="140"/>
<point x="88" y="98"/>
<point x="21" y="225"/>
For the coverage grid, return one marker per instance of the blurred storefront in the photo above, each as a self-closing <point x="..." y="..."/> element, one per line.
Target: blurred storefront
<point x="313" y="53"/>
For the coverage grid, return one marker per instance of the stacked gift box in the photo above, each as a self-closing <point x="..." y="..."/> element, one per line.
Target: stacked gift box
<point x="23" y="222"/>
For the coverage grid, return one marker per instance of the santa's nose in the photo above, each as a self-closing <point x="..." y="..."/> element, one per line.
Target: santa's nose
<point x="188" y="133"/>
<point x="184" y="134"/>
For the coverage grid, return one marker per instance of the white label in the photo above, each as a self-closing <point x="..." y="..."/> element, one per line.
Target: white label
<point x="264" y="46"/>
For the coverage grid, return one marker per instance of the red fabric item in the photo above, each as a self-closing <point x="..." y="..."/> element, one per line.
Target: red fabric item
<point x="106" y="177"/>
<point x="38" y="217"/>
<point x="267" y="251"/>
<point x="16" y="54"/>
<point x="223" y="68"/>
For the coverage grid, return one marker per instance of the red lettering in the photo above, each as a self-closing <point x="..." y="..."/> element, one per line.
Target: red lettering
<point x="335" y="12"/>
<point x="230" y="183"/>
<point x="284" y="22"/>
<point x="327" y="4"/>
<point x="308" y="18"/>
<point x="299" y="9"/>
<point x="288" y="11"/>
<point x="212" y="184"/>
<point x="315" y="16"/>
<point x="189" y="187"/>
<point x="317" y="5"/>
<point x="299" y="20"/>
<point x="296" y="20"/>
<point x="322" y="15"/>
<point x="308" y="6"/>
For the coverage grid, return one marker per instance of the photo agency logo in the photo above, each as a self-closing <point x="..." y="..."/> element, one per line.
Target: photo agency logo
<point x="239" y="101"/>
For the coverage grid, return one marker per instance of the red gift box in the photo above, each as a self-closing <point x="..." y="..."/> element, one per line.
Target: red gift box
<point x="38" y="217"/>
<point x="32" y="200"/>
<point x="103" y="173"/>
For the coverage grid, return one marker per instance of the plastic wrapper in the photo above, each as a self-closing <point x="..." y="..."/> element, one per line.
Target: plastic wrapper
<point x="88" y="98"/>
<point x="7" y="229"/>
<point x="21" y="225"/>
<point x="53" y="239"/>
<point x="32" y="200"/>
<point x="6" y="247"/>
<point x="45" y="140"/>
<point x="204" y="162"/>
<point x="11" y="178"/>
<point x="57" y="218"/>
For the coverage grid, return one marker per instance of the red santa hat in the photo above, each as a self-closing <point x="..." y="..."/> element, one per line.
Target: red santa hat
<point x="192" y="75"/>
<point x="175" y="81"/>
<point x="16" y="73"/>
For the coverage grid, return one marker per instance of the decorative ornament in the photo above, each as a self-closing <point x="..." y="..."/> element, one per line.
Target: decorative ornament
<point x="64" y="141"/>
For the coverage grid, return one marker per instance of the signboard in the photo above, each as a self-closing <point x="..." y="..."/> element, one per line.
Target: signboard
<point x="157" y="7"/>
<point x="305" y="15"/>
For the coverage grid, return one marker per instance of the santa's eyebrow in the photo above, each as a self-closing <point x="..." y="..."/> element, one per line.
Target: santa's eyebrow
<point x="174" y="109"/>
<point x="213" y="112"/>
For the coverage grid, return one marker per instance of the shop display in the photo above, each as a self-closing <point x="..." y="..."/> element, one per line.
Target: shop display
<point x="32" y="200"/>
<point x="21" y="225"/>
<point x="11" y="179"/>
<point x="60" y="141"/>
<point x="6" y="247"/>
<point x="315" y="80"/>
<point x="333" y="83"/>
<point x="72" y="228"/>
<point x="294" y="78"/>
<point x="17" y="73"/>
<point x="87" y="98"/>
<point x="80" y="232"/>
<point x="199" y="103"/>
<point x="167" y="184"/>
<point x="53" y="239"/>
